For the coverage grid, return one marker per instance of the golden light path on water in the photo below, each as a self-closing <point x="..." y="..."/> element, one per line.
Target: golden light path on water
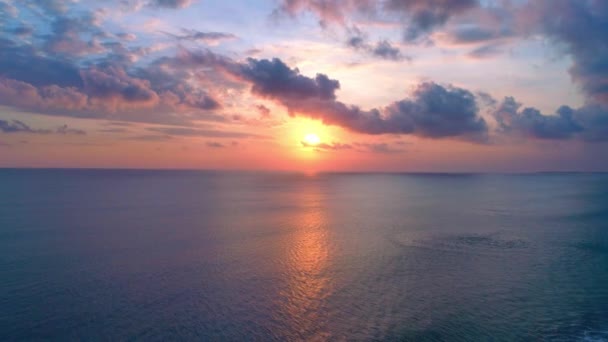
<point x="308" y="283"/>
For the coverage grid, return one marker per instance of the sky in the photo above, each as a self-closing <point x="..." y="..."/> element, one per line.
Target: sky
<point x="305" y="85"/>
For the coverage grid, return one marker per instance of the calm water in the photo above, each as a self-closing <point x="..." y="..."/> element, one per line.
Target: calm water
<point x="157" y="255"/>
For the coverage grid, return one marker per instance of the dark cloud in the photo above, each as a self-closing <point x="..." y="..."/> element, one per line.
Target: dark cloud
<point x="207" y="37"/>
<point x="383" y="49"/>
<point x="356" y="42"/>
<point x="357" y="39"/>
<point x="490" y="23"/>
<point x="588" y="123"/>
<point x="114" y="83"/>
<point x="16" y="126"/>
<point x="170" y="82"/>
<point x="75" y="35"/>
<point x="485" y="51"/>
<point x="581" y="27"/>
<point x="73" y="66"/>
<point x="486" y="99"/>
<point x="424" y="16"/>
<point x="437" y="111"/>
<point x="594" y="119"/>
<point x="472" y="34"/>
<point x="530" y="122"/>
<point x="466" y="34"/>
<point x="21" y="31"/>
<point x="52" y="84"/>
<point x="26" y="64"/>
<point x="434" y="111"/>
<point x="175" y="4"/>
<point x="419" y="17"/>
<point x="275" y="79"/>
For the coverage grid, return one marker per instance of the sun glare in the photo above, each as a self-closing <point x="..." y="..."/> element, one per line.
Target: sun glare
<point x="312" y="139"/>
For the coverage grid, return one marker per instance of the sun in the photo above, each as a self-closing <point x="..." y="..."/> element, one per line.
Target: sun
<point x="311" y="139"/>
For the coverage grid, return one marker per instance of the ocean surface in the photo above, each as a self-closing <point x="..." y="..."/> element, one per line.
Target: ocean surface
<point x="192" y="255"/>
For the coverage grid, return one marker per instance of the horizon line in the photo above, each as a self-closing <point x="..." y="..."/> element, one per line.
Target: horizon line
<point x="211" y="170"/>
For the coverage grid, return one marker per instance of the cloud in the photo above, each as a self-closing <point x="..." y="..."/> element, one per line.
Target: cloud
<point x="418" y="17"/>
<point x="423" y="16"/>
<point x="581" y="28"/>
<point x="52" y="7"/>
<point x="356" y="42"/>
<point x="174" y="4"/>
<point x="335" y="146"/>
<point x="8" y="10"/>
<point x="530" y="122"/>
<point x="196" y="132"/>
<point x="485" y="51"/>
<point x="357" y="146"/>
<point x="264" y="111"/>
<point x="26" y="64"/>
<point x="45" y="98"/>
<point x="274" y="78"/>
<point x="438" y="111"/>
<point x="65" y="130"/>
<point x="486" y="99"/>
<point x="21" y="31"/>
<point x="470" y="34"/>
<point x="377" y="148"/>
<point x="434" y="111"/>
<point x="16" y="126"/>
<point x="50" y="84"/>
<point x="114" y="84"/>
<point x="75" y="35"/>
<point x="206" y="37"/>
<point x="73" y="65"/>
<point x="588" y="123"/>
<point x="215" y="144"/>
<point x="328" y="11"/>
<point x="386" y="50"/>
<point x="382" y="49"/>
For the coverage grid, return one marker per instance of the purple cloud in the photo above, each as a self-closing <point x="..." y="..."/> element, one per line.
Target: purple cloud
<point x="434" y="111"/>
<point x="174" y="4"/>
<point x="588" y="123"/>
<point x="17" y="126"/>
<point x="581" y="27"/>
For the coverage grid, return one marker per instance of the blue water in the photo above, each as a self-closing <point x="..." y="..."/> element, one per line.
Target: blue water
<point x="166" y="255"/>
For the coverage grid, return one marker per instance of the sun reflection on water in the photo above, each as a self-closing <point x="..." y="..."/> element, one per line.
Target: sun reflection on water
<point x="308" y="282"/>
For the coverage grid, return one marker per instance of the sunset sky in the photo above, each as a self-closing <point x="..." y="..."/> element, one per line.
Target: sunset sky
<point x="307" y="85"/>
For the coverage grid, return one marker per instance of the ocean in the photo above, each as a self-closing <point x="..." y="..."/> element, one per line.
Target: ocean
<point x="197" y="255"/>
